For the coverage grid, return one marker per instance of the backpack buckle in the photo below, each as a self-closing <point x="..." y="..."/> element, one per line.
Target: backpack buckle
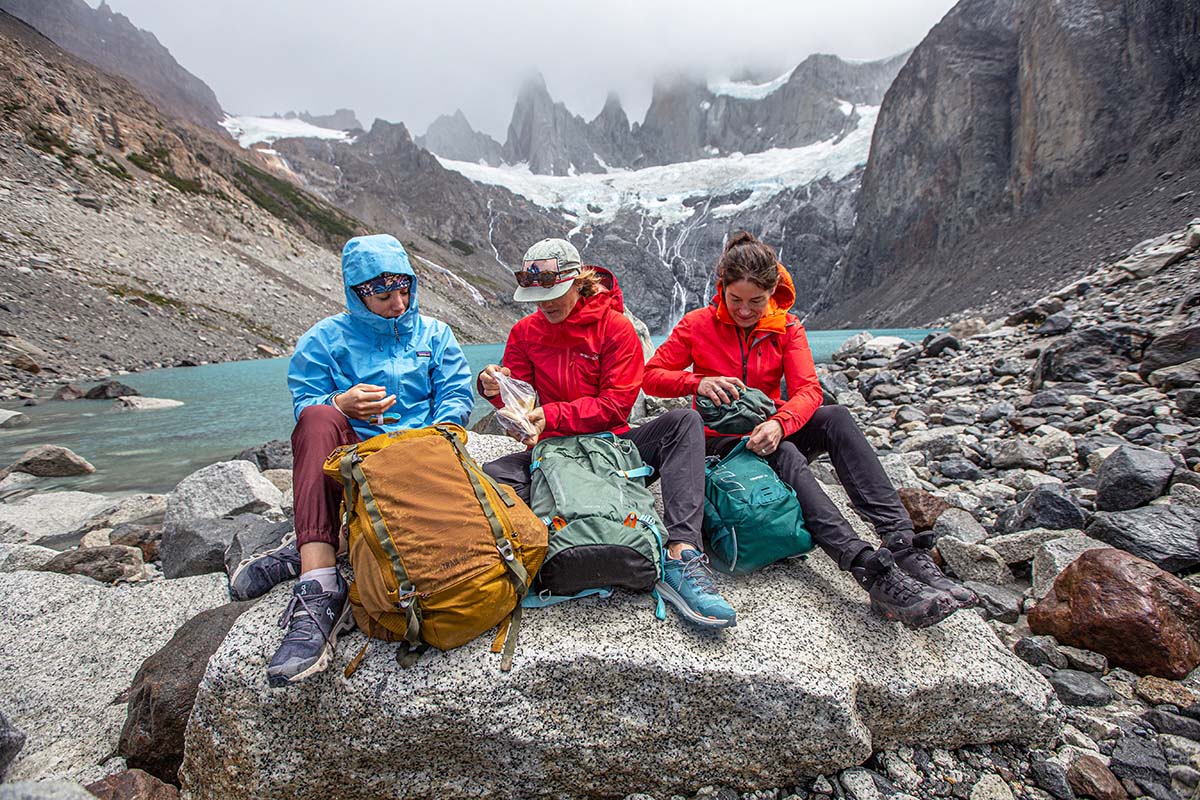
<point x="506" y="550"/>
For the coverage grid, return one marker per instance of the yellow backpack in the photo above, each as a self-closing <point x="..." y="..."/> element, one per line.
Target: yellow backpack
<point x="440" y="551"/>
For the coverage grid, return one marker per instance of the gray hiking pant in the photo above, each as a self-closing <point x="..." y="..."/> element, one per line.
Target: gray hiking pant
<point x="673" y="444"/>
<point x="832" y="430"/>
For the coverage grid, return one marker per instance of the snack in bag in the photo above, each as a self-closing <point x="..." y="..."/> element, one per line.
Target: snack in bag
<point x="519" y="399"/>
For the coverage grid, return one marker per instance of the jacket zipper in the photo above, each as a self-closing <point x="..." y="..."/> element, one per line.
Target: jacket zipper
<point x="745" y="355"/>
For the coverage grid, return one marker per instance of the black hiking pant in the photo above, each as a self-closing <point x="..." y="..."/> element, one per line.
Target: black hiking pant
<point x="833" y="430"/>
<point x="673" y="444"/>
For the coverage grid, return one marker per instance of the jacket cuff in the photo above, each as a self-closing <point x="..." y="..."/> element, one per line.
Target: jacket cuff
<point x="552" y="416"/>
<point x="787" y="421"/>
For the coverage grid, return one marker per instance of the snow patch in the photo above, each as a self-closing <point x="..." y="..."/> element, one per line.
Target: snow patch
<point x="748" y="91"/>
<point x="846" y="107"/>
<point x="660" y="192"/>
<point x="253" y="130"/>
<point x="475" y="295"/>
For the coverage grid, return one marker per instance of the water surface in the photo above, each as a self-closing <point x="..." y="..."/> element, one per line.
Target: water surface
<point x="227" y="408"/>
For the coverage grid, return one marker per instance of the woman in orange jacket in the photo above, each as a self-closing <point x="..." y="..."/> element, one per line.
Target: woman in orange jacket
<point x="747" y="338"/>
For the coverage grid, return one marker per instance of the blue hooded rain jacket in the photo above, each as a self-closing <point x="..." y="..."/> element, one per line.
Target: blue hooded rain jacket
<point x="414" y="357"/>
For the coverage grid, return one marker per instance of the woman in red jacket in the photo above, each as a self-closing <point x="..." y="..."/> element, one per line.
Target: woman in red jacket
<point x="747" y="338"/>
<point x="584" y="359"/>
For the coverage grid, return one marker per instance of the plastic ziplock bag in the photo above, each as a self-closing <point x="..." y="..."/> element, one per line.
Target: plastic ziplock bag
<point x="519" y="399"/>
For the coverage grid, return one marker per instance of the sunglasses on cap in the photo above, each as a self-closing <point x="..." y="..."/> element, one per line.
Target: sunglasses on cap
<point x="544" y="273"/>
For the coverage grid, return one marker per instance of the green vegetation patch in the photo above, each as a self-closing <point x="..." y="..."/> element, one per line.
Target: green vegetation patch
<point x="150" y="297"/>
<point x="111" y="167"/>
<point x="50" y="142"/>
<point x="291" y="204"/>
<point x="462" y="247"/>
<point x="157" y="161"/>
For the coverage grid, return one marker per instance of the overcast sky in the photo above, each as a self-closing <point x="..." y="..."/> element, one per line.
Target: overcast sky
<point x="409" y="62"/>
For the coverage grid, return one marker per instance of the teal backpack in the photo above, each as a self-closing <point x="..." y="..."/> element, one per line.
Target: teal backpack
<point x="591" y="492"/>
<point x="751" y="517"/>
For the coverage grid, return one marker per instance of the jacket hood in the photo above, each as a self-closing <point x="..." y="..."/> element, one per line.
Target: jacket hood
<point x="774" y="319"/>
<point x="365" y="257"/>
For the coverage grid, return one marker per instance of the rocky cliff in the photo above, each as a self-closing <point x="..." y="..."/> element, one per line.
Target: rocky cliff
<point x="452" y="136"/>
<point x="547" y="136"/>
<point x="115" y="45"/>
<point x="343" y="119"/>
<point x="130" y="239"/>
<point x="1015" y="130"/>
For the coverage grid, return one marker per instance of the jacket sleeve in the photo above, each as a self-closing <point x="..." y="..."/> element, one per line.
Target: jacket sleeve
<point x="621" y="369"/>
<point x="804" y="390"/>
<point x="312" y="374"/>
<point x="666" y="371"/>
<point x="451" y="381"/>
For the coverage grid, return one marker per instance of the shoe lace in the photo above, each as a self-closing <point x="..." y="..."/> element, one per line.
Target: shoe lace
<point x="274" y="554"/>
<point x="697" y="571"/>
<point x="293" y="619"/>
<point x="898" y="585"/>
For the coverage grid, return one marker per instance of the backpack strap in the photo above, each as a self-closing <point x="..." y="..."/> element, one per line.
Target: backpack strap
<point x="478" y="477"/>
<point x="355" y="483"/>
<point x="644" y="471"/>
<point x="546" y="599"/>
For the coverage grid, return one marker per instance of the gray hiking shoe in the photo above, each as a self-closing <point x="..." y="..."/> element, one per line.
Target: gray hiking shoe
<point x="262" y="572"/>
<point x="898" y="596"/>
<point x="313" y="619"/>
<point x="918" y="563"/>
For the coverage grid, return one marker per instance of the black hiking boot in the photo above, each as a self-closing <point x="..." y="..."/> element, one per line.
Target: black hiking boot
<point x="898" y="596"/>
<point x="917" y="562"/>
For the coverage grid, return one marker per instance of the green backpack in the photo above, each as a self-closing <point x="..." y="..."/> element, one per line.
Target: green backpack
<point x="751" y="517"/>
<point x="741" y="416"/>
<point x="591" y="492"/>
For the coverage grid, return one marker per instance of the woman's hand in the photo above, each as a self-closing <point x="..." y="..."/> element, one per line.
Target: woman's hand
<point x="537" y="418"/>
<point x="491" y="386"/>
<point x="720" y="390"/>
<point x="765" y="438"/>
<point x="363" y="401"/>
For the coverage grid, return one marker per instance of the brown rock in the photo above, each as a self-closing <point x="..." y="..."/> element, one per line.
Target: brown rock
<point x="107" y="563"/>
<point x="68" y="391"/>
<point x="24" y="362"/>
<point x="133" y="784"/>
<point x="51" y="461"/>
<point x="1114" y="603"/>
<point x="923" y="507"/>
<point x="1157" y="691"/>
<point x="144" y="537"/>
<point x="1090" y="778"/>
<point x="164" y="690"/>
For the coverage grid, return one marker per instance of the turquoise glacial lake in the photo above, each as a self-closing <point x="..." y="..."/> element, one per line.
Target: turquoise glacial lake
<point x="227" y="408"/>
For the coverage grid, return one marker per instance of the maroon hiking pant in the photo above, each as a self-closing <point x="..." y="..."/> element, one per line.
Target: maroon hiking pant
<point x="317" y="497"/>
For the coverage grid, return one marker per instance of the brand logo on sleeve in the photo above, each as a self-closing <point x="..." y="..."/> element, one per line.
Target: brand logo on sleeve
<point x="424" y="354"/>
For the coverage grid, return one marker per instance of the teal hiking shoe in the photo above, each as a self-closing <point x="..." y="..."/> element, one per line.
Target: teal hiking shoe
<point x="688" y="585"/>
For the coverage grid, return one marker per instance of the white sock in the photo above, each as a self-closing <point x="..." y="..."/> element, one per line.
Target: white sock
<point x="326" y="576"/>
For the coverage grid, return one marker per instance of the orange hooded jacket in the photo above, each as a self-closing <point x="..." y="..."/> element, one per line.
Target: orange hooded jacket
<point x="775" y="351"/>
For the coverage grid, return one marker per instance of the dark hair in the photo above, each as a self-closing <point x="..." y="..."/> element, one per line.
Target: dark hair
<point x="746" y="258"/>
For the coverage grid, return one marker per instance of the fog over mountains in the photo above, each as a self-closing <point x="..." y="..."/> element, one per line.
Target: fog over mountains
<point x="1012" y="147"/>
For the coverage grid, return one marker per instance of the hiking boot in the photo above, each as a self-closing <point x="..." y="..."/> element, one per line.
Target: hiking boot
<point x="918" y="563"/>
<point x="688" y="585"/>
<point x="897" y="595"/>
<point x="313" y="619"/>
<point x="262" y="572"/>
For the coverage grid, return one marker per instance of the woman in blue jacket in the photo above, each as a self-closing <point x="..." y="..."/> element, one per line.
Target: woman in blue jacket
<point x="379" y="366"/>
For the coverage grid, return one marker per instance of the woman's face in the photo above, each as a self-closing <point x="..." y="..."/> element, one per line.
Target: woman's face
<point x="746" y="302"/>
<point x="388" y="304"/>
<point x="559" y="308"/>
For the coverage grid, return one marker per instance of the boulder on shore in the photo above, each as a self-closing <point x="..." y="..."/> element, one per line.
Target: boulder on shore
<point x="51" y="461"/>
<point x="144" y="403"/>
<point x="70" y="649"/>
<point x="1125" y="608"/>
<point x="49" y="514"/>
<point x="809" y="682"/>
<point x="218" y="490"/>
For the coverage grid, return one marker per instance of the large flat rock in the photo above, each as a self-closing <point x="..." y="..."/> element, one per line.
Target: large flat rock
<point x="68" y="648"/>
<point x="49" y="514"/>
<point x="605" y="700"/>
